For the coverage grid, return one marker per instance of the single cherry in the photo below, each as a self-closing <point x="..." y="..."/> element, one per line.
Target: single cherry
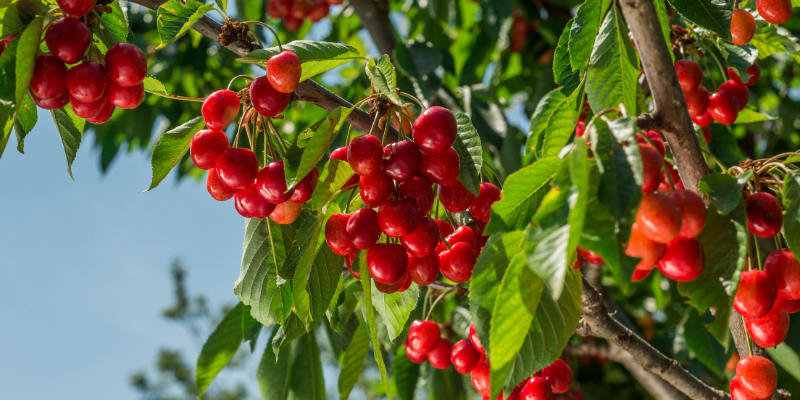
<point x="126" y="64"/>
<point x="640" y="246"/>
<point x="387" y="262"/>
<point x="76" y="8"/>
<point x="87" y="81"/>
<point x="455" y="197"/>
<point x="775" y="11"/>
<point x="754" y="71"/>
<point x="401" y="160"/>
<point x="693" y="212"/>
<point x="305" y="188"/>
<point x="125" y="97"/>
<point x="220" y="109"/>
<point x="237" y="168"/>
<point x="51" y="104"/>
<point x="336" y="235"/>
<point x="415" y="357"/>
<point x="580" y="126"/>
<point x="420" y="192"/>
<point x="783" y="268"/>
<point x="723" y="107"/>
<point x="559" y="375"/>
<point x="284" y="69"/>
<point x="207" y="146"/>
<point x="435" y="130"/>
<point x="481" y="378"/>
<point x="764" y="214"/>
<point x="654" y="137"/>
<point x="464" y="234"/>
<point x="216" y="188"/>
<point x="363" y="229"/>
<point x="476" y="341"/>
<point x="757" y="375"/>
<point x="376" y="188"/>
<point x="690" y="75"/>
<point x="423" y="240"/>
<point x="683" y="260"/>
<point x="705" y="119"/>
<point x="739" y="91"/>
<point x="743" y="26"/>
<point x="756" y="294"/>
<point x="271" y="182"/>
<point x="266" y="100"/>
<point x="49" y="77"/>
<point x="697" y="102"/>
<point x="440" y="168"/>
<point x="481" y="207"/>
<point x="652" y="168"/>
<point x="87" y="110"/>
<point x="457" y="262"/>
<point x="104" y="115"/>
<point x="659" y="218"/>
<point x="423" y="271"/>
<point x="365" y="155"/>
<point x="397" y="218"/>
<point x="439" y="357"/>
<point x="771" y="329"/>
<point x="319" y="10"/>
<point x="68" y="39"/>
<point x="254" y="204"/>
<point x="537" y="389"/>
<point x="291" y="23"/>
<point x="423" y="336"/>
<point x="464" y="356"/>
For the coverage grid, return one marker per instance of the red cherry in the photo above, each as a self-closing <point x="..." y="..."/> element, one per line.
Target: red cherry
<point x="757" y="375"/>
<point x="284" y="7"/>
<point x="273" y="9"/>
<point x="764" y="214"/>
<point x="658" y="218"/>
<point x="49" y="77"/>
<point x="126" y="64"/>
<point x="305" y="188"/>
<point x="87" y="110"/>
<point x="537" y="389"/>
<point x="271" y="182"/>
<point x="423" y="240"/>
<point x="455" y="197"/>
<point x="651" y="168"/>
<point x="266" y="100"/>
<point x="423" y="336"/>
<point x="399" y="286"/>
<point x="207" y="146"/>
<point x="754" y="71"/>
<point x="464" y="234"/>
<point x="291" y="23"/>
<point x="445" y="228"/>
<point x="723" y="107"/>
<point x="299" y="11"/>
<point x="771" y="329"/>
<point x="319" y="10"/>
<point x="76" y="8"/>
<point x="439" y="357"/>
<point x="376" y="188"/>
<point x="738" y="392"/>
<point x="238" y="205"/>
<point x="87" y="81"/>
<point x="254" y="204"/>
<point x="640" y="274"/>
<point x="476" y="341"/>
<point x="590" y="256"/>
<point x="464" y="356"/>
<point x="51" y="104"/>
<point x="740" y="92"/>
<point x="705" y="119"/>
<point x="435" y="130"/>
<point x="654" y="137"/>
<point x="336" y="235"/>
<point x="401" y="160"/>
<point x="284" y="70"/>
<point x="639" y="246"/>
<point x="481" y="207"/>
<point x="104" y="116"/>
<point x="743" y="26"/>
<point x="365" y="155"/>
<point x="676" y="179"/>
<point x="397" y="218"/>
<point x="440" y="168"/>
<point x="423" y="271"/>
<point x="237" y="168"/>
<point x="341" y="154"/>
<point x="559" y="375"/>
<point x="775" y="11"/>
<point x="220" y="109"/>
<point x="690" y="75"/>
<point x="707" y="134"/>
<point x="697" y="102"/>
<point x="420" y="192"/>
<point x="363" y="229"/>
<point x="579" y="261"/>
<point x="125" y="97"/>
<point x="783" y="268"/>
<point x="415" y="357"/>
<point x="693" y="212"/>
<point x="68" y="39"/>
<point x="457" y="262"/>
<point x="218" y="190"/>
<point x="756" y="294"/>
<point x="683" y="260"/>
<point x="481" y="378"/>
<point x="792" y="306"/>
<point x="387" y="262"/>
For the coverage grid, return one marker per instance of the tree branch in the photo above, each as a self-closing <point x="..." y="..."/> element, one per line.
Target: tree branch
<point x="374" y="15"/>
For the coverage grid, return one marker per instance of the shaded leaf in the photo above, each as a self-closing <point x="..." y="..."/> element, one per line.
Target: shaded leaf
<point x="446" y="384"/>
<point x="712" y="354"/>
<point x="26" y="120"/>
<point x="384" y="78"/>
<point x="369" y="312"/>
<point x="583" y="31"/>
<point x="300" y="161"/>
<point x="738" y="58"/>
<point x="175" y="18"/>
<point x="274" y="375"/>
<point x="171" y="147"/>
<point x="551" y="126"/>
<point x="15" y="17"/>
<point x="562" y="69"/>
<point x="315" y="57"/>
<point x="470" y="153"/>
<point x="353" y="361"/>
<point x="787" y="358"/>
<point x="395" y="308"/>
<point x="405" y="374"/>
<point x="332" y="177"/>
<point x="724" y="190"/>
<point x="714" y="15"/>
<point x="70" y="127"/>
<point x="613" y="72"/>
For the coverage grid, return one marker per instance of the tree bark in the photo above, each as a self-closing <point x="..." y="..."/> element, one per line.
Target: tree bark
<point x="374" y="15"/>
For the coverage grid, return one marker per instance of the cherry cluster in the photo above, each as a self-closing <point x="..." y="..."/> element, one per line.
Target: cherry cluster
<point x="743" y="25"/>
<point x="92" y="89"/>
<point x="724" y="105"/>
<point x="398" y="180"/>
<point x="293" y="12"/>
<point x="756" y="379"/>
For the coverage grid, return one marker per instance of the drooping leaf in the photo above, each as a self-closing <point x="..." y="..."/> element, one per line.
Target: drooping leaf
<point x="384" y="78"/>
<point x="583" y="31"/>
<point x="369" y="312"/>
<point x="714" y="15"/>
<point x="26" y="120"/>
<point x="791" y="220"/>
<point x="8" y="74"/>
<point x="175" y="18"/>
<point x="315" y="57"/>
<point x="117" y="22"/>
<point x="749" y="115"/>
<point x="620" y="163"/>
<point x="222" y="345"/>
<point x="546" y="253"/>
<point x="562" y="69"/>
<point x="446" y="384"/>
<point x="612" y="78"/>
<point x="579" y="170"/>
<point x="724" y="190"/>
<point x="308" y="226"/>
<point x="27" y="48"/>
<point x="738" y="58"/>
<point x="70" y="127"/>
<point x="171" y="147"/>
<point x="353" y="361"/>
<point x="332" y="177"/>
<point x="301" y="160"/>
<point x="275" y="375"/>
<point x="470" y="153"/>
<point x="712" y="354"/>
<point x="405" y="374"/>
<point x="315" y="286"/>
<point x="395" y="308"/>
<point x="307" y="381"/>
<point x="551" y="125"/>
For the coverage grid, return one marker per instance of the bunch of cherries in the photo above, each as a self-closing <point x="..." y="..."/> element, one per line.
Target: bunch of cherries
<point x="93" y="90"/>
<point x="293" y="12"/>
<point x="398" y="180"/>
<point x="743" y="25"/>
<point x="234" y="172"/>
<point x="468" y="356"/>
<point x="756" y="379"/>
<point x="722" y="106"/>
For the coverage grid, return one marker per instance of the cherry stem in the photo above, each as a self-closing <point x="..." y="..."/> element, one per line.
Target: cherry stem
<point x="239" y="131"/>
<point x="493" y="175"/>
<point x="778" y="243"/>
<point x="225" y="18"/>
<point x="428" y="317"/>
<point x="758" y="252"/>
<point x="386" y="127"/>
<point x="719" y="64"/>
<point x="696" y="55"/>
<point x="449" y="218"/>
<point x="237" y="77"/>
<point x="268" y="143"/>
<point x="275" y="34"/>
<point x="667" y="171"/>
<point x="350" y="200"/>
<point x="374" y="123"/>
<point x="773" y="158"/>
<point x="444" y="239"/>
<point x="436" y="193"/>
<point x="749" y="339"/>
<point x="426" y="301"/>
<point x="278" y="138"/>
<point x="250" y="136"/>
<point x="406" y="95"/>
<point x="102" y="21"/>
<point x="716" y="160"/>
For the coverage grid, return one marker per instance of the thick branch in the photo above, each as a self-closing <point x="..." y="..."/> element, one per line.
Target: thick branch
<point x="374" y="15"/>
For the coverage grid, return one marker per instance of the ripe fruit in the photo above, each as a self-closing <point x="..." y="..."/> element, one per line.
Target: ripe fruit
<point x="237" y="203"/>
<point x="658" y="218"/>
<point x="319" y="10"/>
<point x="559" y="375"/>
<point x="207" y="146"/>
<point x="389" y="288"/>
<point x="68" y="39"/>
<point x="126" y="64"/>
<point x="341" y="154"/>
<point x="648" y="251"/>
<point x="362" y="228"/>
<point x="774" y="11"/>
<point x="237" y="168"/>
<point x="703" y="120"/>
<point x="590" y="256"/>
<point x="739" y="91"/>
<point x="104" y="115"/>
<point x="125" y="97"/>
<point x="284" y="70"/>
<point x="435" y="130"/>
<point x="423" y="271"/>
<point x="756" y="294"/>
<point x="757" y="375"/>
<point x="455" y="197"/>
<point x="457" y="262"/>
<point x="365" y="155"/>
<point x="414" y="356"/>
<point x="439" y="357"/>
<point x="783" y="268"/>
<point x="771" y="329"/>
<point x="464" y="356"/>
<point x="537" y="389"/>
<point x="754" y="71"/>
<point x="336" y="235"/>
<point x="792" y="306"/>
<point x="683" y="260"/>
<point x="420" y="192"/>
<point x="654" y="137"/>
<point x="271" y="182"/>
<point x="87" y="81"/>
<point x="689" y="75"/>
<point x="51" y="104"/>
<point x="481" y="207"/>
<point x="697" y="102"/>
<point x="476" y="341"/>
<point x="640" y="274"/>
<point x="401" y="160"/>
<point x="218" y="190"/>
<point x="87" y="110"/>
<point x="305" y="188"/>
<point x="292" y="24"/>
<point x="422" y="241"/>
<point x="743" y="26"/>
<point x="440" y="168"/>
<point x="299" y="10"/>
<point x="423" y="336"/>
<point x="707" y="134"/>
<point x="254" y="204"/>
<point x="397" y="218"/>
<point x="76" y="8"/>
<point x="480" y="377"/>
<point x="387" y="262"/>
<point x="49" y="77"/>
<point x="266" y="100"/>
<point x="651" y="168"/>
<point x="220" y="109"/>
<point x="764" y="214"/>
<point x="693" y="212"/>
<point x="738" y="392"/>
<point x="464" y="234"/>
<point x="723" y="107"/>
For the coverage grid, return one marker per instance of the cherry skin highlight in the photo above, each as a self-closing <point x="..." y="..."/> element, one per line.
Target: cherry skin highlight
<point x="697" y="102"/>
<point x="216" y="188"/>
<point x="481" y="207"/>
<point x="419" y="192"/>
<point x="254" y="204"/>
<point x="537" y="389"/>
<point x="455" y="197"/>
<point x="651" y="168"/>
<point x="87" y="110"/>
<point x="49" y="77"/>
<point x="271" y="182"/>
<point x="336" y="235"/>
<point x="68" y="39"/>
<point x="457" y="262"/>
<point x="683" y="260"/>
<point x="693" y="212"/>
<point x="771" y="329"/>
<point x="51" y="104"/>
<point x="754" y="71"/>
<point x="723" y="107"/>
<point x="126" y="64"/>
<point x="740" y="92"/>
<point x="784" y="270"/>
<point x="284" y="71"/>
<point x="440" y="168"/>
<point x="207" y="146"/>
<point x="220" y="109"/>
<point x="237" y="203"/>
<point x="559" y="375"/>
<point x="422" y="242"/>
<point x="375" y="189"/>
<point x="757" y="375"/>
<point x="397" y="218"/>
<point x="658" y="218"/>
<point x="87" y="81"/>
<point x="401" y="160"/>
<point x="286" y="212"/>
<point x="764" y="214"/>
<point x="362" y="228"/>
<point x="305" y="188"/>
<point x="690" y="75"/>
<point x="439" y="357"/>
<point x="481" y="378"/>
<point x="266" y="100"/>
<point x="423" y="336"/>
<point x="76" y="8"/>
<point x="435" y="130"/>
<point x="387" y="262"/>
<point x="104" y="115"/>
<point x="125" y="97"/>
<point x="640" y="246"/>
<point x="415" y="357"/>
<point x="237" y="168"/>
<point x="739" y="393"/>
<point x="756" y="294"/>
<point x="476" y="341"/>
<point x="775" y="11"/>
<point x="423" y="271"/>
<point x="365" y="155"/>
<point x="743" y="26"/>
<point x="464" y="356"/>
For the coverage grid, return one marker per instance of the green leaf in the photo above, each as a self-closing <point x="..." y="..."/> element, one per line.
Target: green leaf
<point x="26" y="120"/>
<point x="154" y="86"/>
<point x="579" y="171"/>
<point x="171" y="148"/>
<point x="315" y="57"/>
<point x="353" y="361"/>
<point x="712" y="354"/>
<point x="222" y="4"/>
<point x="791" y="221"/>
<point x="395" y="308"/>
<point x="259" y="285"/>
<point x="749" y="115"/>
<point x="551" y="126"/>
<point x="307" y="381"/>
<point x="562" y="69"/>
<point x="384" y="78"/>
<point x="583" y="31"/>
<point x="769" y="41"/>
<point x="613" y="72"/>
<point x="274" y="375"/>
<point x="70" y="127"/>
<point x="405" y="374"/>
<point x="175" y="18"/>
<point x="497" y="16"/>
<point x="620" y="163"/>
<point x="117" y="22"/>
<point x="724" y="190"/>
<point x="724" y="242"/>
<point x="309" y="225"/>
<point x="470" y="154"/>
<point x="739" y="58"/>
<point x="17" y="16"/>
<point x="546" y="253"/>
<point x="714" y="15"/>
<point x="4" y="121"/>
<point x="315" y="286"/>
<point x="522" y="194"/>
<point x="27" y="48"/>
<point x="301" y="160"/>
<point x="791" y="186"/>
<point x="446" y="384"/>
<point x="8" y="75"/>
<point x="663" y="21"/>
<point x="369" y="312"/>
<point x="332" y="177"/>
<point x="787" y="358"/>
<point x="222" y="345"/>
